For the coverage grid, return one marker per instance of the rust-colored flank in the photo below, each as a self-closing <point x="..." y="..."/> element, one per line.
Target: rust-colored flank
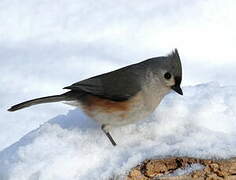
<point x="106" y="105"/>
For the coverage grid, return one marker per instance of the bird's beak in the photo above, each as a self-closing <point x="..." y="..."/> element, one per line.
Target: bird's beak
<point x="177" y="89"/>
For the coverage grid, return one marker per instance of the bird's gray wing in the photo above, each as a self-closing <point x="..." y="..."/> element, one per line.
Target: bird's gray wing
<point x="117" y="85"/>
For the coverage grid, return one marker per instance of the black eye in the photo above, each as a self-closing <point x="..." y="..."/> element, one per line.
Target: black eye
<point x="167" y="75"/>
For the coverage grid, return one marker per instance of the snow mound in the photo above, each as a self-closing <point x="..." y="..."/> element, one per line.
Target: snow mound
<point x="201" y="123"/>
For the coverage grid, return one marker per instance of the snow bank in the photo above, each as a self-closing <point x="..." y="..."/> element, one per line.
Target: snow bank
<point x="201" y="123"/>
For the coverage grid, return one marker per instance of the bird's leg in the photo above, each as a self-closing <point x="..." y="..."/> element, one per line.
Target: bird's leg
<point x="104" y="129"/>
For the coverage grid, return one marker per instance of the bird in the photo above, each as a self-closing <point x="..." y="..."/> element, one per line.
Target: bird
<point x="122" y="96"/>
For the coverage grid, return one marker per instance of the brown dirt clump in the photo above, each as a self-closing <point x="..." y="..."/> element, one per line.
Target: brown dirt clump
<point x="158" y="169"/>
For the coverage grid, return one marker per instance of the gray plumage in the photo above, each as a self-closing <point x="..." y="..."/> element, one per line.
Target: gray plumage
<point x="117" y="85"/>
<point x="68" y="96"/>
<point x="32" y="102"/>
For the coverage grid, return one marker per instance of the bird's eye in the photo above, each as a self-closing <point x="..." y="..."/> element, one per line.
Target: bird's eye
<point x="167" y="75"/>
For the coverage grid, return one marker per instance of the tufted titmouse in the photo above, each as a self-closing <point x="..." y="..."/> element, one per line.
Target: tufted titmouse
<point x="122" y="96"/>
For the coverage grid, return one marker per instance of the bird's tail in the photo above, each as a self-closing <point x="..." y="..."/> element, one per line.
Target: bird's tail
<point x="48" y="99"/>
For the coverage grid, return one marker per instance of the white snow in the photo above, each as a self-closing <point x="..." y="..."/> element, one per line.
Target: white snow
<point x="72" y="146"/>
<point x="187" y="170"/>
<point x="47" y="45"/>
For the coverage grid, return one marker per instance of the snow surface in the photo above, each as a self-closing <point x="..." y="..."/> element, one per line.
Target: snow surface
<point x="187" y="170"/>
<point x="47" y="45"/>
<point x="72" y="146"/>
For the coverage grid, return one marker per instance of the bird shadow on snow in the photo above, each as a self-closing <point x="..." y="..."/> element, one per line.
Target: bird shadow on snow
<point x="74" y="119"/>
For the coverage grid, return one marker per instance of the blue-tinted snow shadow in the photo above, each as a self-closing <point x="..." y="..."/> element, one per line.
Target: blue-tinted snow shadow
<point x="74" y="119"/>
